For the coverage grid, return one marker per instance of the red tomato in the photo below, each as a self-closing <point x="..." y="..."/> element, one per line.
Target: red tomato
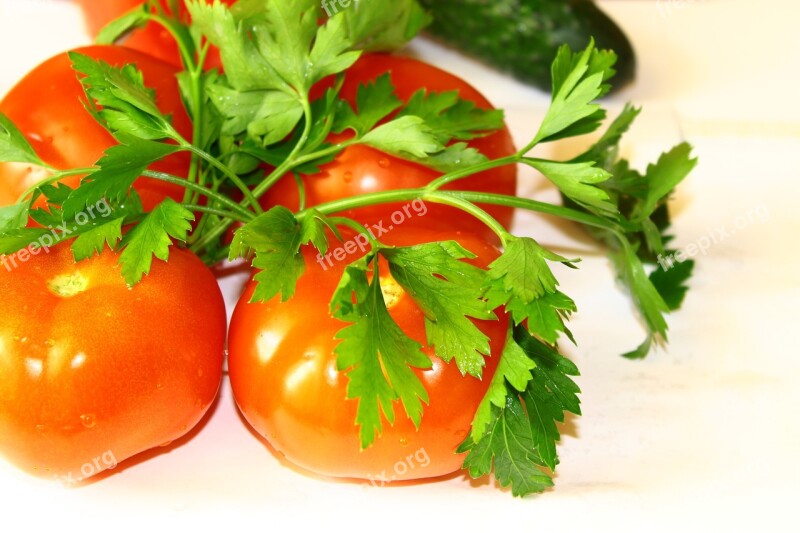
<point x="94" y="372"/>
<point x="47" y="106"/>
<point x="283" y="373"/>
<point x="152" y="39"/>
<point x="361" y="169"/>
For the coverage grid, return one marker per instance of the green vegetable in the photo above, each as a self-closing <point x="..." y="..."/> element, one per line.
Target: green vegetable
<point x="522" y="36"/>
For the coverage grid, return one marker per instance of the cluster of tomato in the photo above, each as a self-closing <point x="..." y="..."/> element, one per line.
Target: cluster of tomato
<point x="90" y="367"/>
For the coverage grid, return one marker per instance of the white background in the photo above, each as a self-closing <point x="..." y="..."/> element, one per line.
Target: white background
<point x="701" y="436"/>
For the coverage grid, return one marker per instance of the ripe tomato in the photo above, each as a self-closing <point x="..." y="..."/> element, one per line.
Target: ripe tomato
<point x="152" y="39"/>
<point x="93" y="372"/>
<point x="283" y="373"/>
<point x="361" y="169"/>
<point x="47" y="106"/>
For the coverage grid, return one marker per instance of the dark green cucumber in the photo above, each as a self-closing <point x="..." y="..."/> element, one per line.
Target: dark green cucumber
<point x="522" y="36"/>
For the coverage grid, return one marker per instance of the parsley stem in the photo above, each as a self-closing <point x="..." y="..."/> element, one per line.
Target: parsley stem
<point x="544" y="208"/>
<point x="218" y="212"/>
<point x="57" y="175"/>
<point x="405" y="195"/>
<point x="221" y="198"/>
<point x="248" y="194"/>
<point x="186" y="49"/>
<point x="470" y="171"/>
<point x="472" y="209"/>
<point x="357" y="227"/>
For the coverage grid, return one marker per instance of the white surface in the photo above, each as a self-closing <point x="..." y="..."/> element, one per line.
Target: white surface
<point x="703" y="436"/>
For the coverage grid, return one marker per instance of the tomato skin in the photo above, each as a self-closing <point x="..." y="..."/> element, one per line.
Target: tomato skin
<point x="153" y="39"/>
<point x="283" y="373"/>
<point x="361" y="169"/>
<point x="109" y="372"/>
<point x="47" y="106"/>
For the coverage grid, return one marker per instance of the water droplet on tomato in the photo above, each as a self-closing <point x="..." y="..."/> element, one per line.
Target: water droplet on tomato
<point x="200" y="372"/>
<point x="403" y="441"/>
<point x="160" y="386"/>
<point x="384" y="163"/>
<point x="40" y="428"/>
<point x="88" y="421"/>
<point x="348" y="177"/>
<point x="309" y="356"/>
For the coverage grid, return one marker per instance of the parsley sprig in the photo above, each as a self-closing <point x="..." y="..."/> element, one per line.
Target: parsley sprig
<point x="258" y="114"/>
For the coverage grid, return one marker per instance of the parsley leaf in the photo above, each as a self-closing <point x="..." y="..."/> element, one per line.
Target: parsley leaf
<point x="275" y="237"/>
<point x="268" y="116"/>
<point x="404" y="137"/>
<point x="120" y="167"/>
<point x="275" y="46"/>
<point x="448" y="290"/>
<point x="14" y="147"/>
<point x="13" y="217"/>
<point x="120" y="99"/>
<point x="671" y="282"/>
<point x="662" y="178"/>
<point x="647" y="298"/>
<point x="230" y="30"/>
<point x="508" y="448"/>
<point x="520" y="436"/>
<point x="578" y="182"/>
<point x="14" y="240"/>
<point x="118" y="28"/>
<point x="457" y="156"/>
<point x="521" y="280"/>
<point x="152" y="237"/>
<point x="450" y="117"/>
<point x="383" y="25"/>
<point x="376" y="354"/>
<point x="515" y="369"/>
<point x="375" y="101"/>
<point x="641" y="200"/>
<point x="578" y="80"/>
<point x="93" y="240"/>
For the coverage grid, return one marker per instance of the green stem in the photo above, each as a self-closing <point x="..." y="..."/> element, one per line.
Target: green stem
<point x="467" y="172"/>
<point x="222" y="199"/>
<point x="357" y="227"/>
<point x="472" y="209"/>
<point x="619" y="226"/>
<point x="264" y="186"/>
<point x="218" y="212"/>
<point x="57" y="175"/>
<point x="248" y="194"/>
<point x="186" y="51"/>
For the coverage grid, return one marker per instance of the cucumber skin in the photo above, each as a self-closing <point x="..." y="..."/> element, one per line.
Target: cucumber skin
<point x="522" y="36"/>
